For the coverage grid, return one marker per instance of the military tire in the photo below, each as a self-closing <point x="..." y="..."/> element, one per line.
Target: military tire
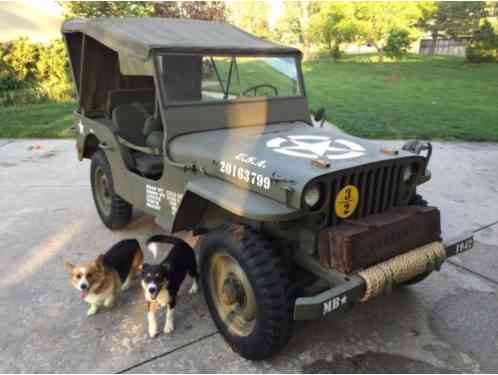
<point x="247" y="291"/>
<point x="418" y="200"/>
<point x="113" y="210"/>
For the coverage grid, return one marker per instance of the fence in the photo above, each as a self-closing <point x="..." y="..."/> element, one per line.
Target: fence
<point x="453" y="47"/>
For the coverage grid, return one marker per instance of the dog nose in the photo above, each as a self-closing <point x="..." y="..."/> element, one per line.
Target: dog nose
<point x="84" y="286"/>
<point x="152" y="289"/>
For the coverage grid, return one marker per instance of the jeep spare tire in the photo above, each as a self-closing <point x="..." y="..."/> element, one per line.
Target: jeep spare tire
<point x="113" y="210"/>
<point x="246" y="289"/>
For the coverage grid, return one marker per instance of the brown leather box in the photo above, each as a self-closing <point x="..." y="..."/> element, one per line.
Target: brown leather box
<point x="357" y="244"/>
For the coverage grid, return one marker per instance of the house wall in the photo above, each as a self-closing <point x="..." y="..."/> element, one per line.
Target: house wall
<point x="451" y="47"/>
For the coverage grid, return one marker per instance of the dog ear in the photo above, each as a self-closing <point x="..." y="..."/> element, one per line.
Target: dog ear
<point x="69" y="266"/>
<point x="100" y="261"/>
<point x="142" y="267"/>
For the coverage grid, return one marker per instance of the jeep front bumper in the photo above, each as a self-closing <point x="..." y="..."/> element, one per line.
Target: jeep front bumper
<point x="366" y="284"/>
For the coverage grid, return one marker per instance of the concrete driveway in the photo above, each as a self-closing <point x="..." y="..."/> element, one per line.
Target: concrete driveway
<point x="448" y="323"/>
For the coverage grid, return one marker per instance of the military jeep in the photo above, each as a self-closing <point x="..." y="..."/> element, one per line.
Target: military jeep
<point x="207" y="128"/>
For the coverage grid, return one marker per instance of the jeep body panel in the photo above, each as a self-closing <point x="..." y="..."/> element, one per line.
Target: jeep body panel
<point x="240" y="202"/>
<point x="269" y="151"/>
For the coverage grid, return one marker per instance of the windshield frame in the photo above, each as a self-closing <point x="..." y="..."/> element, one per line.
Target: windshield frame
<point x="162" y="87"/>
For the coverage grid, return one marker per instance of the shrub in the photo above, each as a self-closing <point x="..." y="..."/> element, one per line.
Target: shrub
<point x="9" y="82"/>
<point x="53" y="72"/>
<point x="21" y="56"/>
<point x="33" y="73"/>
<point x="397" y="44"/>
<point x="483" y="46"/>
<point x="29" y="95"/>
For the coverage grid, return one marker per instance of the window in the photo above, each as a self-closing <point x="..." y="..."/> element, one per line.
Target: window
<point x="190" y="78"/>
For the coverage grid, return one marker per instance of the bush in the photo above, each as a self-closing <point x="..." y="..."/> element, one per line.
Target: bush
<point x="477" y="55"/>
<point x="53" y="72"/>
<point x="31" y="95"/>
<point x="483" y="46"/>
<point x="20" y="56"/>
<point x="33" y="73"/>
<point x="397" y="44"/>
<point x="9" y="82"/>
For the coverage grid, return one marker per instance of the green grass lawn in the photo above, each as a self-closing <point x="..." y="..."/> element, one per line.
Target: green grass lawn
<point x="428" y="98"/>
<point x="52" y="120"/>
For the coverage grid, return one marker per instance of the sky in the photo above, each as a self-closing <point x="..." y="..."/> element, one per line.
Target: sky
<point x="41" y="19"/>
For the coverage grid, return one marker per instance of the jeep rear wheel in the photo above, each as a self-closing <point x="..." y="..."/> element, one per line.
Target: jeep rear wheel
<point x="113" y="210"/>
<point x="246" y="290"/>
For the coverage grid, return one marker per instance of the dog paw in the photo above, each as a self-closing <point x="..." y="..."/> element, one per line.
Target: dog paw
<point x="109" y="304"/>
<point x="92" y="310"/>
<point x="153" y="333"/>
<point x="194" y="288"/>
<point x="168" y="328"/>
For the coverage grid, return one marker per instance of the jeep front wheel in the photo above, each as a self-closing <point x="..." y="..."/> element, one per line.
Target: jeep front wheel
<point x="246" y="290"/>
<point x="113" y="210"/>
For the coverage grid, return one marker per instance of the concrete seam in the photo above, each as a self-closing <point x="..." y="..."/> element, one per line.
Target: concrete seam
<point x="8" y="143"/>
<point x="202" y="338"/>
<point x="485" y="226"/>
<point x="488" y="279"/>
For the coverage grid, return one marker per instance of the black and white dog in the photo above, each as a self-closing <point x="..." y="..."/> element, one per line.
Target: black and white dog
<point x="161" y="282"/>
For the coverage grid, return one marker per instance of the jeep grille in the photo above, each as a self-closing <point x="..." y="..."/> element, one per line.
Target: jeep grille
<point x="379" y="185"/>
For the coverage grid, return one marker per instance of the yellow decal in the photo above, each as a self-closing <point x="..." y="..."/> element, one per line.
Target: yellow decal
<point x="346" y="201"/>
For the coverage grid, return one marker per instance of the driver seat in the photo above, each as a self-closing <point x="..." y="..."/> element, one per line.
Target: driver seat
<point x="130" y="120"/>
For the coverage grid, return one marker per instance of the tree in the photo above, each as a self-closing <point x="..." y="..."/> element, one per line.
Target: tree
<point x="204" y="10"/>
<point x="91" y="9"/>
<point x="293" y="25"/>
<point x="398" y="43"/>
<point x="484" y="45"/>
<point x="375" y="21"/>
<point x="332" y="26"/>
<point x="455" y="19"/>
<point x="199" y="10"/>
<point x="251" y="16"/>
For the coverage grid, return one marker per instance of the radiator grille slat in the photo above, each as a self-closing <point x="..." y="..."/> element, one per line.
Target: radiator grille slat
<point x="378" y="187"/>
<point x="387" y="188"/>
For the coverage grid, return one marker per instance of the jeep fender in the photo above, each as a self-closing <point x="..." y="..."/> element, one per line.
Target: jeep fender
<point x="205" y="192"/>
<point x="89" y="145"/>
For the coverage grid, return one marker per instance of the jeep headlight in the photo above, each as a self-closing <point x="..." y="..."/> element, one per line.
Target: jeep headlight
<point x="313" y="195"/>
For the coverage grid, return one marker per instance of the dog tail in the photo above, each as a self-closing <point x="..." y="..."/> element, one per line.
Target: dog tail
<point x="151" y="243"/>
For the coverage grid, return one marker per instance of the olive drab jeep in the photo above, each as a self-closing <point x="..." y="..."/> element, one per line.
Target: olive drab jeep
<point x="207" y="128"/>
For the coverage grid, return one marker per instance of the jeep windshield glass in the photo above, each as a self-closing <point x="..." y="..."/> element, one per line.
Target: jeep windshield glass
<point x="196" y="78"/>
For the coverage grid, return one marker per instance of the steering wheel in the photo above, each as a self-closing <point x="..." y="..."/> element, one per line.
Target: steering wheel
<point x="257" y="87"/>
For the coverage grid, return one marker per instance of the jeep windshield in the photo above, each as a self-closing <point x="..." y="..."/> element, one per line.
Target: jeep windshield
<point x="198" y="78"/>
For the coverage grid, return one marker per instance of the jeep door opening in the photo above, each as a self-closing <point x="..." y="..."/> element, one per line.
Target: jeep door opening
<point x="207" y="128"/>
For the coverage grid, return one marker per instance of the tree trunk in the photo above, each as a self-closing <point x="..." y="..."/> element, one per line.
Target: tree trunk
<point x="380" y="50"/>
<point x="434" y="42"/>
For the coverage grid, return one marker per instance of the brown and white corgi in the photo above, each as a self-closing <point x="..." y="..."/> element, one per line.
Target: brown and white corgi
<point x="101" y="280"/>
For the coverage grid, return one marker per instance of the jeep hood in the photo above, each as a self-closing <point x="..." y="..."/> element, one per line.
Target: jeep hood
<point x="282" y="152"/>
